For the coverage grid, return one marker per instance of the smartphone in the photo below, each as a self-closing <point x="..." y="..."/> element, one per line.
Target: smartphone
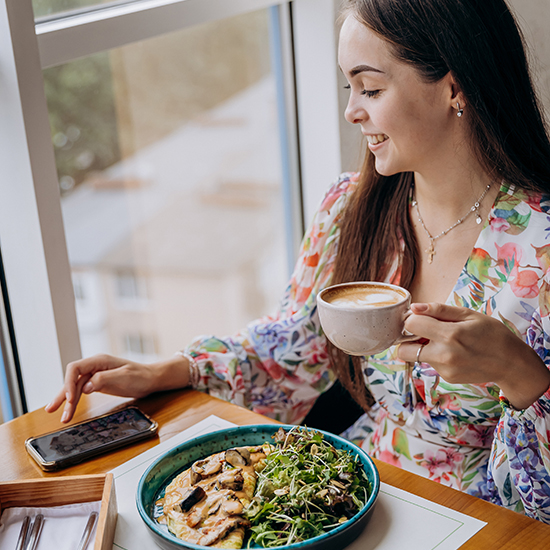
<point x="71" y="445"/>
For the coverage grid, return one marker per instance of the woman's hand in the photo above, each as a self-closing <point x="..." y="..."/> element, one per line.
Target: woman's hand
<point x="468" y="347"/>
<point x="116" y="376"/>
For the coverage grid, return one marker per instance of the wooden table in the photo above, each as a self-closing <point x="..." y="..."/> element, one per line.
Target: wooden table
<point x="177" y="410"/>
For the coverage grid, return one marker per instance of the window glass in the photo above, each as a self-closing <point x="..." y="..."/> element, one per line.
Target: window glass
<point x="44" y="8"/>
<point x="129" y="287"/>
<point x="139" y="347"/>
<point x="169" y="170"/>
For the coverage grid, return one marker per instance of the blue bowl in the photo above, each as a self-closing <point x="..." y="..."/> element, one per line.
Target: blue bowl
<point x="166" y="467"/>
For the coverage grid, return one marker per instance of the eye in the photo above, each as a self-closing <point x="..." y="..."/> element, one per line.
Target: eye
<point x="348" y="87"/>
<point x="371" y="93"/>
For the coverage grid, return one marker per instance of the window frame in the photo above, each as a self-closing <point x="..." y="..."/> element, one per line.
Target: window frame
<point x="73" y="36"/>
<point x="39" y="280"/>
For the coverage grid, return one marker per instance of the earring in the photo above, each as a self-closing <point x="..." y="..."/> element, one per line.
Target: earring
<point x="460" y="111"/>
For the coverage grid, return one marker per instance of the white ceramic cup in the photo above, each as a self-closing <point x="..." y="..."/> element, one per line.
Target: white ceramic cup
<point x="364" y="318"/>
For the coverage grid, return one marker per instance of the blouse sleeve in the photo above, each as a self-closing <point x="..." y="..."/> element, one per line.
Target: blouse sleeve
<point x="519" y="469"/>
<point x="278" y="365"/>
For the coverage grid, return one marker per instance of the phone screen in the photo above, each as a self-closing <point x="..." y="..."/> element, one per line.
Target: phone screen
<point x="92" y="435"/>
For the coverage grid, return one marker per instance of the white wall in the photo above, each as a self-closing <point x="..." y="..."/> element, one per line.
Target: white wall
<point x="534" y="19"/>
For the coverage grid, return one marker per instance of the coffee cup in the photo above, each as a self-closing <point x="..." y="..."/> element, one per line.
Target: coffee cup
<point x="364" y="318"/>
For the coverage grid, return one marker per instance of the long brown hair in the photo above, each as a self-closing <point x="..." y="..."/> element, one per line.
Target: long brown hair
<point x="480" y="43"/>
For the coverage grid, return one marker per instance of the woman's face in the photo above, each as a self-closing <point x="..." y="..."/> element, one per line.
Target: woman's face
<point x="408" y="122"/>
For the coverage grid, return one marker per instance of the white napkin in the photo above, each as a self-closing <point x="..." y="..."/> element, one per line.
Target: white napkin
<point x="62" y="530"/>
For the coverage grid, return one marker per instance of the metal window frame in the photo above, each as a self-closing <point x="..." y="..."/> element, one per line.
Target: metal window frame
<point x="12" y="390"/>
<point x="83" y="34"/>
<point x="32" y="238"/>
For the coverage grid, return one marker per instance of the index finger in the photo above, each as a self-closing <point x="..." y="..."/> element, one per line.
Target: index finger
<point x="84" y="367"/>
<point x="74" y="371"/>
<point x="443" y="312"/>
<point x="424" y="326"/>
<point x="70" y="402"/>
<point x="69" y="391"/>
<point x="434" y="321"/>
<point x="70" y="405"/>
<point x="56" y="402"/>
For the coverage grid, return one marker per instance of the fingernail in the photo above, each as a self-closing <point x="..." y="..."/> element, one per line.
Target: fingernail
<point x="421" y="307"/>
<point x="88" y="387"/>
<point x="64" y="416"/>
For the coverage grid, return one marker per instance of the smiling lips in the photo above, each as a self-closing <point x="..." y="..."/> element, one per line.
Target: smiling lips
<point x="373" y="139"/>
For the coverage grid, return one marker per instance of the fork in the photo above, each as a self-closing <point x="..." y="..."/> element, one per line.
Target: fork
<point x="88" y="531"/>
<point x="36" y="532"/>
<point x="23" y="534"/>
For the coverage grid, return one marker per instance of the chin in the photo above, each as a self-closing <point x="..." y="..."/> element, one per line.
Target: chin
<point x="385" y="170"/>
<point x="389" y="165"/>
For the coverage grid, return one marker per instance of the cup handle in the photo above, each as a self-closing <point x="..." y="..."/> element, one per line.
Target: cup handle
<point x="407" y="336"/>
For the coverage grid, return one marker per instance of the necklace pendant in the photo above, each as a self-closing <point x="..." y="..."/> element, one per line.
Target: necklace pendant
<point x="473" y="209"/>
<point x="430" y="251"/>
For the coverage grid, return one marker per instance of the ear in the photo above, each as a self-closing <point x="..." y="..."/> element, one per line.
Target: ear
<point x="455" y="93"/>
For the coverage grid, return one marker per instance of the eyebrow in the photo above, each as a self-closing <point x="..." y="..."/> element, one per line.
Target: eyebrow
<point x="364" y="69"/>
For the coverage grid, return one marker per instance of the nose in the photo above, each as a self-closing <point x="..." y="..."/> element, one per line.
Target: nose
<point x="354" y="113"/>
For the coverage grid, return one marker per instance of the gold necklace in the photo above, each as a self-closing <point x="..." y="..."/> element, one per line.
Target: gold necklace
<point x="431" y="249"/>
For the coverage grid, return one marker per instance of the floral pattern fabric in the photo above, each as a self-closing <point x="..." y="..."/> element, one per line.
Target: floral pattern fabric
<point x="464" y="436"/>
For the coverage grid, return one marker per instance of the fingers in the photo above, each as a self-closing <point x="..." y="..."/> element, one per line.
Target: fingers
<point x="85" y="367"/>
<point x="85" y="381"/>
<point x="442" y="312"/>
<point x="77" y="375"/>
<point x="72" y="402"/>
<point x="436" y="321"/>
<point x="410" y="352"/>
<point x="56" y="402"/>
<point x="106" y="374"/>
<point x="436" y="324"/>
<point x="68" y="411"/>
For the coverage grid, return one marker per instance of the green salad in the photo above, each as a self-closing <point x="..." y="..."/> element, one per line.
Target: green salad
<point x="306" y="488"/>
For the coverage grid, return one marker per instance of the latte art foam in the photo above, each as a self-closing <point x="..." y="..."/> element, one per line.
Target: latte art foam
<point x="373" y="299"/>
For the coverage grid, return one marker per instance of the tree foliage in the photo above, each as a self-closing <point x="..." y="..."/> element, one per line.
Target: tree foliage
<point x="47" y="7"/>
<point x="82" y="117"/>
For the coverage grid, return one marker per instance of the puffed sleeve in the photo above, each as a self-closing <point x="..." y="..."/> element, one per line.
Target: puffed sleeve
<point x="278" y="365"/>
<point x="519" y="468"/>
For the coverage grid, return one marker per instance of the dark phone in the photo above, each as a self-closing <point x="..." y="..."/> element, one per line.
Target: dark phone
<point x="62" y="448"/>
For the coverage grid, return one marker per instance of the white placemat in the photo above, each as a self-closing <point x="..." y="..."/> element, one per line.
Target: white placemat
<point x="399" y="520"/>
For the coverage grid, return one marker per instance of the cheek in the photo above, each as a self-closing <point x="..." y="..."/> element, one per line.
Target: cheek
<point x="387" y="121"/>
<point x="413" y="128"/>
<point x="401" y="120"/>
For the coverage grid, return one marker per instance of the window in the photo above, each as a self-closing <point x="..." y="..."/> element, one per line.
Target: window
<point x="93" y="199"/>
<point x="12" y="395"/>
<point x="139" y="346"/>
<point x="79" y="287"/>
<point x="129" y="287"/>
<point x="44" y="8"/>
<point x="169" y="166"/>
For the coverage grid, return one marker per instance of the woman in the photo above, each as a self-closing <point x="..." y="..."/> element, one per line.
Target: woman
<point x="450" y="204"/>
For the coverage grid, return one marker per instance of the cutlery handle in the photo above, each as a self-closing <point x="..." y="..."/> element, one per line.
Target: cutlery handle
<point x="87" y="531"/>
<point x="23" y="534"/>
<point x="36" y="531"/>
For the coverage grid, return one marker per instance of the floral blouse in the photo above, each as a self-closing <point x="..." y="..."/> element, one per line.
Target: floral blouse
<point x="464" y="436"/>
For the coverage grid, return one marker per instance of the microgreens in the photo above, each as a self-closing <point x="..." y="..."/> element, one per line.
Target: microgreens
<point x="306" y="488"/>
